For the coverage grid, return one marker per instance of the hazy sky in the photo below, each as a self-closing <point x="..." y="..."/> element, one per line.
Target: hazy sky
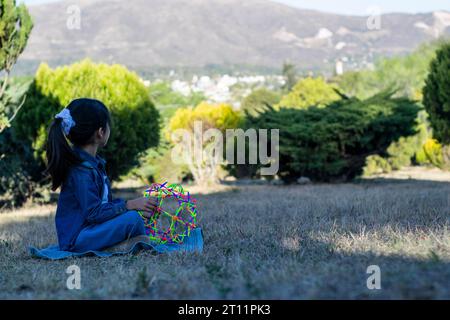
<point x="354" y="7"/>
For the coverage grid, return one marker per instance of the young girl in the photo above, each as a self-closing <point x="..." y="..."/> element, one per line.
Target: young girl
<point x="87" y="218"/>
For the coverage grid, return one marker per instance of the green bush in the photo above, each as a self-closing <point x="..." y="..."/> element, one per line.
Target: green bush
<point x="18" y="168"/>
<point x="333" y="142"/>
<point x="433" y="151"/>
<point x="258" y="100"/>
<point x="401" y="153"/>
<point x="309" y="92"/>
<point x="404" y="152"/>
<point x="421" y="158"/>
<point x="436" y="94"/>
<point x="375" y="165"/>
<point x="135" y="121"/>
<point x="14" y="186"/>
<point x="15" y="28"/>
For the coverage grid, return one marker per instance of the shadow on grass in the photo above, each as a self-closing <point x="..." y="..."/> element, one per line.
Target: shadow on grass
<point x="387" y="222"/>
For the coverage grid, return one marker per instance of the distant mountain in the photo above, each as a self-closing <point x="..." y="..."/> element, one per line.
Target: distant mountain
<point x="194" y="33"/>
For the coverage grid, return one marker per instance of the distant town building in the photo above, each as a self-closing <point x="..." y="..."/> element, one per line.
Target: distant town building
<point x="181" y="87"/>
<point x="339" y="68"/>
<point x="220" y="89"/>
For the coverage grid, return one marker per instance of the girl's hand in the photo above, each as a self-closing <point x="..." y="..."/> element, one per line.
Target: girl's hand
<point x="146" y="205"/>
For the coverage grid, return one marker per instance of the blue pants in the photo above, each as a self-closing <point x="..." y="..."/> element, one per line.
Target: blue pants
<point x="109" y="233"/>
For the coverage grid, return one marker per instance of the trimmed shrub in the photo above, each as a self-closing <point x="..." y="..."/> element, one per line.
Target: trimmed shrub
<point x="135" y="121"/>
<point x="333" y="143"/>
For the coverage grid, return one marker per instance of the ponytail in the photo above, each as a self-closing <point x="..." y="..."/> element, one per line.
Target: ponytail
<point x="60" y="155"/>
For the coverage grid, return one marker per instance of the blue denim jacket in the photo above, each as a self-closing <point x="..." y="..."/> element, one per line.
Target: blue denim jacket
<point x="83" y="200"/>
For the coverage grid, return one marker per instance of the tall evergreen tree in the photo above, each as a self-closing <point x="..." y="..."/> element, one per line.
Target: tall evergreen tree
<point x="15" y="28"/>
<point x="436" y="94"/>
<point x="290" y="75"/>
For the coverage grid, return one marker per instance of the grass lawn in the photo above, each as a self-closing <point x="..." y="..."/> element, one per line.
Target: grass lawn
<point x="274" y="242"/>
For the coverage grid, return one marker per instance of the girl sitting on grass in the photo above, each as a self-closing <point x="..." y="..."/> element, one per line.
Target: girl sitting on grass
<point x="87" y="218"/>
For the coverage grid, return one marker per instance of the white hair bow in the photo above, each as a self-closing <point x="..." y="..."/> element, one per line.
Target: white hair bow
<point x="67" y="121"/>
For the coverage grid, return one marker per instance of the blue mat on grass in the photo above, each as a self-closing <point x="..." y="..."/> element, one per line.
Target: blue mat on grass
<point x="193" y="243"/>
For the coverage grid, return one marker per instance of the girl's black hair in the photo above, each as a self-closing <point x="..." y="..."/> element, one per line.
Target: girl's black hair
<point x="89" y="116"/>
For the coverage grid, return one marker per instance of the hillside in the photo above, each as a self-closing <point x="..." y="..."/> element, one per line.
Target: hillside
<point x="195" y="33"/>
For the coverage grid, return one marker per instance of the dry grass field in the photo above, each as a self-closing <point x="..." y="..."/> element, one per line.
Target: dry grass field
<point x="274" y="242"/>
